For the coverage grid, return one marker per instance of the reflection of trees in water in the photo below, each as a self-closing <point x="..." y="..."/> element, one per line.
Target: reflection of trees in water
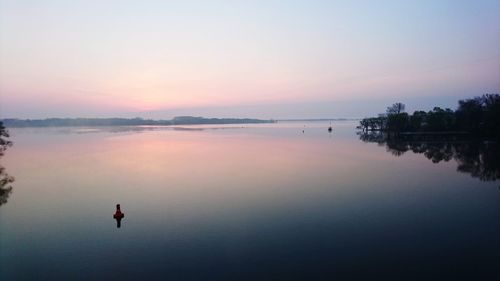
<point x="5" y="187"/>
<point x="5" y="179"/>
<point x="480" y="159"/>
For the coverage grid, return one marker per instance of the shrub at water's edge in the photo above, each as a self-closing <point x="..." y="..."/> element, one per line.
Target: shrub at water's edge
<point x="478" y="116"/>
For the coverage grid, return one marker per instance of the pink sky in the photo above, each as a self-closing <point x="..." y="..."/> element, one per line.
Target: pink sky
<point x="123" y="58"/>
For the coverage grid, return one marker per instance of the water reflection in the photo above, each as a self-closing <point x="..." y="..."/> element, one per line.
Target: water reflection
<point x="5" y="179"/>
<point x="126" y="129"/>
<point x="5" y="185"/>
<point x="479" y="158"/>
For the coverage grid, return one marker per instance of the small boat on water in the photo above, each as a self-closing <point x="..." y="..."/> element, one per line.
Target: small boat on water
<point x="330" y="128"/>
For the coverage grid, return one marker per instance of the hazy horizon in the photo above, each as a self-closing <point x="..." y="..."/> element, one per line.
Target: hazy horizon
<point x="307" y="110"/>
<point x="265" y="59"/>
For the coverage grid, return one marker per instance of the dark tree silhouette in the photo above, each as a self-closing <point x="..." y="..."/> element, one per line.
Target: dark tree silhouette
<point x="397" y="122"/>
<point x="477" y="116"/>
<point x="4" y="143"/>
<point x="469" y="114"/>
<point x="396" y="108"/>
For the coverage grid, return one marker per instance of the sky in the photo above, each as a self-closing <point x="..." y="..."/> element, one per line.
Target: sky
<point x="262" y="59"/>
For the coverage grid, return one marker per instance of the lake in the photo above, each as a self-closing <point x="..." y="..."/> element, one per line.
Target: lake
<point x="284" y="201"/>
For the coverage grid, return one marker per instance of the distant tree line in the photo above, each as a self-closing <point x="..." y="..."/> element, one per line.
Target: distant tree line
<point x="479" y="115"/>
<point x="75" y="122"/>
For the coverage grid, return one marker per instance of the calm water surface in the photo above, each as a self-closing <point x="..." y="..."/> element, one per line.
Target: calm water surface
<point x="251" y="202"/>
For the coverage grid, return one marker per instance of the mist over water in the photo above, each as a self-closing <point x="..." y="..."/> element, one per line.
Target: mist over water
<point x="284" y="201"/>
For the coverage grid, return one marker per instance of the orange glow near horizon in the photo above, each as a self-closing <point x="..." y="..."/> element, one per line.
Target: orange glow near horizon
<point x="170" y="56"/>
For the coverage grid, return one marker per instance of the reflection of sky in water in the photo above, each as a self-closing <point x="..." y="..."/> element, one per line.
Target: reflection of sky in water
<point x="238" y="202"/>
